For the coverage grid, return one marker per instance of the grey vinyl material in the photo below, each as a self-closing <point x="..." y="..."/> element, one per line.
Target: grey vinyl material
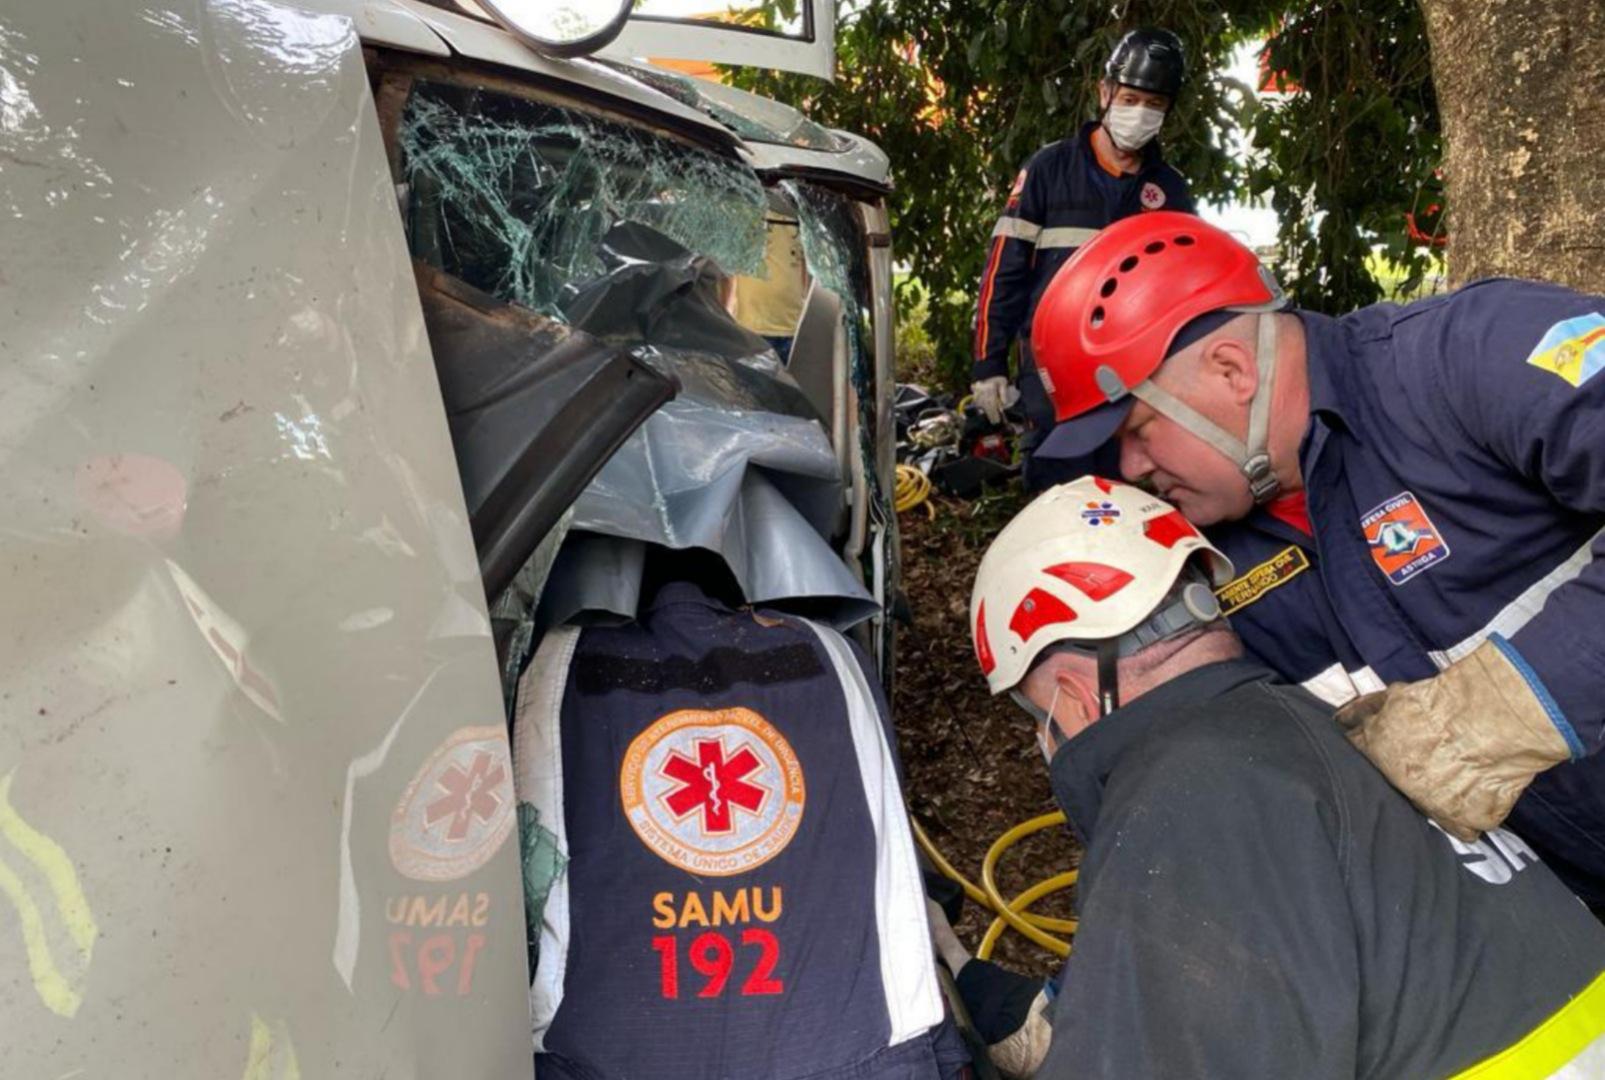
<point x="739" y="465"/>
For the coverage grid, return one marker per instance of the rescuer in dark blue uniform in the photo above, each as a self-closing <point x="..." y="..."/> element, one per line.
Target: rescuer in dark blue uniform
<point x="739" y="894"/>
<point x="1415" y="511"/>
<point x="1068" y="190"/>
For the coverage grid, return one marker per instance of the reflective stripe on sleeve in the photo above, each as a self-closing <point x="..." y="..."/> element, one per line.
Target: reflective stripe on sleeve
<point x="1336" y="686"/>
<point x="1017" y="229"/>
<point x="1570" y="1045"/>
<point x="1065" y="237"/>
<point x="983" y="320"/>
<point x="1516" y="614"/>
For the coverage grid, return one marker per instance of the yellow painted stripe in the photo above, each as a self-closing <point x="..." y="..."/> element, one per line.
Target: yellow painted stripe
<point x="260" y="1053"/>
<point x="53" y="863"/>
<point x="259" y="1056"/>
<point x="53" y="988"/>
<point x="1550" y="1046"/>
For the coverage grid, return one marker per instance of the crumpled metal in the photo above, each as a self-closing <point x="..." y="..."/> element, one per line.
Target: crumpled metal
<point x="738" y="465"/>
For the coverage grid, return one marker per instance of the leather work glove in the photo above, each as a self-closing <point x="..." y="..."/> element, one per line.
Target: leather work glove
<point x="992" y="396"/>
<point x="1019" y="1055"/>
<point x="1465" y="744"/>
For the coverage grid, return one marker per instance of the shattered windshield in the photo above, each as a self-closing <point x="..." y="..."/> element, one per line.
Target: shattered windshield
<point x="514" y="196"/>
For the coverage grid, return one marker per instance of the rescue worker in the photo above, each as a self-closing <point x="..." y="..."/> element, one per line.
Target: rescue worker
<point x="1414" y="495"/>
<point x="1255" y="900"/>
<point x="1068" y="190"/>
<point x="739" y="894"/>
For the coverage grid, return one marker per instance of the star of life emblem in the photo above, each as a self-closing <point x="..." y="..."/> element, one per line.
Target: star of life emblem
<point x="1100" y="513"/>
<point x="458" y="810"/>
<point x="712" y="791"/>
<point x="1153" y="196"/>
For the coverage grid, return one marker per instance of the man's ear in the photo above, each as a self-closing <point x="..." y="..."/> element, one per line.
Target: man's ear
<point x="1081" y="697"/>
<point x="1231" y="361"/>
<point x="1106" y="94"/>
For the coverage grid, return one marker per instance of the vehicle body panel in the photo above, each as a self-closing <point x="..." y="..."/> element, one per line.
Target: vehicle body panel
<point x="247" y="648"/>
<point x="718" y="35"/>
<point x="477" y="40"/>
<point x="253" y="815"/>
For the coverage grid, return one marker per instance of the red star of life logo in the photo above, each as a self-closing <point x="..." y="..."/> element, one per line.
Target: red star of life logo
<point x="715" y="784"/>
<point x="470" y="793"/>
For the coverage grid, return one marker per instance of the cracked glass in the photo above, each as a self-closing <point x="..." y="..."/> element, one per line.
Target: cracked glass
<point x="515" y="196"/>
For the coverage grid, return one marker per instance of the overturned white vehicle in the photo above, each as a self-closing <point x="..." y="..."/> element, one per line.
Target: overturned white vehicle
<point x="323" y="326"/>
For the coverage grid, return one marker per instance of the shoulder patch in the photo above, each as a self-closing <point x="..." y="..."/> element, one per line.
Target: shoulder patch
<point x="1573" y="348"/>
<point x="1017" y="189"/>
<point x="1402" y="539"/>
<point x="1254" y="583"/>
<point x="1153" y="196"/>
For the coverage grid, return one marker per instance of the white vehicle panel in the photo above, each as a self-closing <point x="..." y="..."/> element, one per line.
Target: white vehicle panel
<point x="482" y="41"/>
<point x="246" y="652"/>
<point x="672" y="30"/>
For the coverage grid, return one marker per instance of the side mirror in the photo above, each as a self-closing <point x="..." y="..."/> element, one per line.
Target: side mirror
<point x="557" y="27"/>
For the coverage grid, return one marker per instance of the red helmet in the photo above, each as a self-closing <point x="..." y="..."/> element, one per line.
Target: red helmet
<point x="1108" y="317"/>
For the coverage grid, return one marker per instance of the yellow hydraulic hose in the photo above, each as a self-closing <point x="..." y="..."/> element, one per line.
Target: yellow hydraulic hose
<point x="989" y="881"/>
<point x="992" y="901"/>
<point x="913" y="488"/>
<point x="1024" y="900"/>
<point x="972" y="890"/>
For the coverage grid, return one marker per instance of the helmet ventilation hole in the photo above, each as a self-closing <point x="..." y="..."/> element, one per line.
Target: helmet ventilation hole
<point x="1097" y="317"/>
<point x="1108" y="289"/>
<point x="1183" y="241"/>
<point x="1128" y="264"/>
<point x="1155" y="248"/>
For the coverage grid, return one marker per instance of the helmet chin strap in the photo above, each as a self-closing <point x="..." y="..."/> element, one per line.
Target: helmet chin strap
<point x="1191" y="603"/>
<point x="1253" y="458"/>
<point x="1108" y="676"/>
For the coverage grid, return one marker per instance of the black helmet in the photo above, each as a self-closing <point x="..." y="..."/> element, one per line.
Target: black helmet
<point x="1150" y="60"/>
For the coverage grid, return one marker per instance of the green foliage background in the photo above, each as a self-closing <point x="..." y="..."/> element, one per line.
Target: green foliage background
<point x="960" y="92"/>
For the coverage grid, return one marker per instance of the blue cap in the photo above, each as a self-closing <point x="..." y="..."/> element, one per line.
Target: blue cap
<point x="1081" y="435"/>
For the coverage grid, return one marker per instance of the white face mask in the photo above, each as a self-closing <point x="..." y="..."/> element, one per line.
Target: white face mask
<point x="1133" y="127"/>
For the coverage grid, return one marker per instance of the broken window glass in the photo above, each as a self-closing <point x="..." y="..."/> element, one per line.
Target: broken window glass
<point x="834" y="250"/>
<point x="513" y="196"/>
<point x="833" y="246"/>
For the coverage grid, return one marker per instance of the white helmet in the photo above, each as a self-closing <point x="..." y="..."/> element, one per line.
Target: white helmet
<point x="1092" y="560"/>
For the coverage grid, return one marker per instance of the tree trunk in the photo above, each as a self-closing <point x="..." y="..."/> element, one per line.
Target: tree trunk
<point x="1521" y="91"/>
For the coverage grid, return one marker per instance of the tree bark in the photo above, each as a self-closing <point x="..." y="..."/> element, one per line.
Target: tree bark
<point x="1521" y="92"/>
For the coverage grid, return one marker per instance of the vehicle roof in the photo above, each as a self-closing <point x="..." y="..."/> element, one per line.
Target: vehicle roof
<point x="412" y="26"/>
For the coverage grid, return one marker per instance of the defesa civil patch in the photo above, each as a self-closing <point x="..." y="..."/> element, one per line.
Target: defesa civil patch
<point x="1402" y="538"/>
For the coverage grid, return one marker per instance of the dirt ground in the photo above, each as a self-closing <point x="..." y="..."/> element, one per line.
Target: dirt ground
<point x="973" y="767"/>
